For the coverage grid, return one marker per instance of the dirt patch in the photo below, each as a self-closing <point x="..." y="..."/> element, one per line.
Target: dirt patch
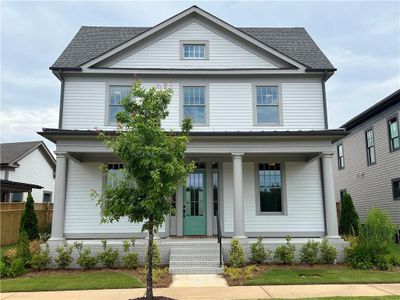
<point x="155" y="298"/>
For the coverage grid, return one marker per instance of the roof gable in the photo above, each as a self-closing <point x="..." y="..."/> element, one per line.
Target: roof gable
<point x="11" y="153"/>
<point x="93" y="44"/>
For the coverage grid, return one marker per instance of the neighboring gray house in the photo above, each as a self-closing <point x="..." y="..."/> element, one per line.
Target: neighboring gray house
<point x="260" y="139"/>
<point x="367" y="160"/>
<point x="26" y="167"/>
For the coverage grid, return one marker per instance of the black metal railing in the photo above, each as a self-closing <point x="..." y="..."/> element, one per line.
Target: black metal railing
<point x="219" y="239"/>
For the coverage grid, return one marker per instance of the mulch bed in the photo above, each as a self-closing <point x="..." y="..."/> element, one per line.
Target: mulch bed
<point x="154" y="298"/>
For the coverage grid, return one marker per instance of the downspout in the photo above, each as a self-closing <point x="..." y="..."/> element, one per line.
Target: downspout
<point x="324" y="99"/>
<point x="60" y="114"/>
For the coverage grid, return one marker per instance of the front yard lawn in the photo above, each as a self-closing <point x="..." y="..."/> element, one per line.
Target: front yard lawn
<point x="71" y="280"/>
<point x="322" y="275"/>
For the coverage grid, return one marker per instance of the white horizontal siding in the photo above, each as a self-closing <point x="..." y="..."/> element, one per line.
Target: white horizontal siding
<point x="165" y="53"/>
<point x="304" y="200"/>
<point x="82" y="215"/>
<point x="84" y="105"/>
<point x="230" y="105"/>
<point x="34" y="169"/>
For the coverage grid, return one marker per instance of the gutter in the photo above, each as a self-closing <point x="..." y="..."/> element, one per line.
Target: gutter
<point x="324" y="99"/>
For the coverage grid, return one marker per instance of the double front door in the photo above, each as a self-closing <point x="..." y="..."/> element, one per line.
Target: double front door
<point x="194" y="204"/>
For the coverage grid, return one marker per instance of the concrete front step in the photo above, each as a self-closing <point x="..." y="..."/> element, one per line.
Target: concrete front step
<point x="191" y="257"/>
<point x="196" y="270"/>
<point x="195" y="251"/>
<point x="203" y="263"/>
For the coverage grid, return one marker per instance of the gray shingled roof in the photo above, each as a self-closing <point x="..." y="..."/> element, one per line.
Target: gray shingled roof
<point x="92" y="41"/>
<point x="11" y="151"/>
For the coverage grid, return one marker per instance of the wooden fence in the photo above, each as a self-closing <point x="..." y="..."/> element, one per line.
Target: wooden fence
<point x="10" y="215"/>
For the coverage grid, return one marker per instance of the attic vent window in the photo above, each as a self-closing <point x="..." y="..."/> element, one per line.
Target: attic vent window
<point x="194" y="50"/>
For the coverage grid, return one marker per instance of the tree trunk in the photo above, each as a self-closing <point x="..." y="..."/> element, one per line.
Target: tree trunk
<point x="149" y="288"/>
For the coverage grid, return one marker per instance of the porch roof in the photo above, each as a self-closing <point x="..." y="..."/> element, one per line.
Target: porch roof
<point x="14" y="186"/>
<point x="333" y="135"/>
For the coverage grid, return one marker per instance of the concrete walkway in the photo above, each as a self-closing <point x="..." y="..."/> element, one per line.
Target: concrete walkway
<point x="239" y="292"/>
<point x="198" y="280"/>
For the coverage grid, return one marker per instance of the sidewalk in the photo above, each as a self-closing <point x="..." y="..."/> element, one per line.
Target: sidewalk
<point x="239" y="292"/>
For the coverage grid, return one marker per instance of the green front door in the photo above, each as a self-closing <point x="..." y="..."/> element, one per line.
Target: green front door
<point x="194" y="204"/>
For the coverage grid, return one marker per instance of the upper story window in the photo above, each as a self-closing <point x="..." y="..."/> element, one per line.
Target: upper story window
<point x="340" y="155"/>
<point x="194" y="104"/>
<point x="267" y="105"/>
<point x="47" y="197"/>
<point x="370" y="143"/>
<point x="117" y="93"/>
<point x="393" y="126"/>
<point x="194" y="50"/>
<point x="270" y="187"/>
<point x="114" y="172"/>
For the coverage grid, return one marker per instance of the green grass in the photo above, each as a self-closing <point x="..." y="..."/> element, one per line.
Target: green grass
<point x="323" y="275"/>
<point x="4" y="249"/>
<point x="71" y="281"/>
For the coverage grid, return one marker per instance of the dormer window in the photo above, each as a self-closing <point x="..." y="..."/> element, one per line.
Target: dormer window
<point x="194" y="50"/>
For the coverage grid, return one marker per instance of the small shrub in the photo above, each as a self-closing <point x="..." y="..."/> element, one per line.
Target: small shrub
<point x="130" y="259"/>
<point x="23" y="251"/>
<point x="258" y="252"/>
<point x="16" y="268"/>
<point x="29" y="222"/>
<point x="3" y="268"/>
<point x="109" y="256"/>
<point x="64" y="256"/>
<point x="328" y="253"/>
<point x="41" y="260"/>
<point x="35" y="246"/>
<point x="349" y="222"/>
<point x="248" y="271"/>
<point x="159" y="274"/>
<point x="239" y="275"/>
<point x="372" y="248"/>
<point x="236" y="254"/>
<point x="285" y="253"/>
<point x="156" y="256"/>
<point x="85" y="259"/>
<point x="309" y="252"/>
<point x="44" y="236"/>
<point x="233" y="273"/>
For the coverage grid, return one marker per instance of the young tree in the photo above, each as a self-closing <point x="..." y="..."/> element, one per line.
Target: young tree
<point x="154" y="164"/>
<point x="29" y="222"/>
<point x="349" y="221"/>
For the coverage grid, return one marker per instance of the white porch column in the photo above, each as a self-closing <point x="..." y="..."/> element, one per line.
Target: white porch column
<point x="57" y="228"/>
<point x="238" y="205"/>
<point x="329" y="195"/>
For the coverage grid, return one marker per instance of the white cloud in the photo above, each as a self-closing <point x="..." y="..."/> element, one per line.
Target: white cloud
<point x="22" y="124"/>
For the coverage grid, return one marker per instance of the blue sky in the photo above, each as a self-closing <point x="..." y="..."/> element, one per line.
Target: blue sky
<point x="362" y="40"/>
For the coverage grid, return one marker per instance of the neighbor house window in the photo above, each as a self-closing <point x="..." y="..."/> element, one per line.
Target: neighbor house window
<point x="396" y="188"/>
<point x="394" y="134"/>
<point x="194" y="104"/>
<point x="117" y="93"/>
<point x="194" y="50"/>
<point x="342" y="193"/>
<point x="370" y="142"/>
<point x="114" y="172"/>
<point x="47" y="197"/>
<point x="340" y="155"/>
<point x="270" y="187"/>
<point x="17" y="197"/>
<point x="267" y="105"/>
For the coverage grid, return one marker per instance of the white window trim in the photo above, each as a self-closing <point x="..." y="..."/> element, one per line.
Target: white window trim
<point x="206" y="101"/>
<point x="283" y="189"/>
<point x="280" y="110"/>
<point x="194" y="42"/>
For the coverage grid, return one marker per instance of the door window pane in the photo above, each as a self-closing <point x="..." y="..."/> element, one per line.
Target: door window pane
<point x="270" y="184"/>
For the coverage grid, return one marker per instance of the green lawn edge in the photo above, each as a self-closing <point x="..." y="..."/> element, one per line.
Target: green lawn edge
<point x="71" y="281"/>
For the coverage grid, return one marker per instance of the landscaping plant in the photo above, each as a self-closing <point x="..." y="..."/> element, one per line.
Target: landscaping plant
<point x="130" y="259"/>
<point x="29" y="222"/>
<point x="40" y="260"/>
<point x="309" y="252"/>
<point x="156" y="256"/>
<point x="154" y="164"/>
<point x="64" y="255"/>
<point x="258" y="252"/>
<point x="328" y="253"/>
<point x="349" y="222"/>
<point x="109" y="256"/>
<point x="285" y="253"/>
<point x="23" y="251"/>
<point x="85" y="260"/>
<point x="372" y="248"/>
<point x="236" y="254"/>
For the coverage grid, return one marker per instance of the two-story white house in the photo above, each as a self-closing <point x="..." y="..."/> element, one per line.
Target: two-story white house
<point x="257" y="99"/>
